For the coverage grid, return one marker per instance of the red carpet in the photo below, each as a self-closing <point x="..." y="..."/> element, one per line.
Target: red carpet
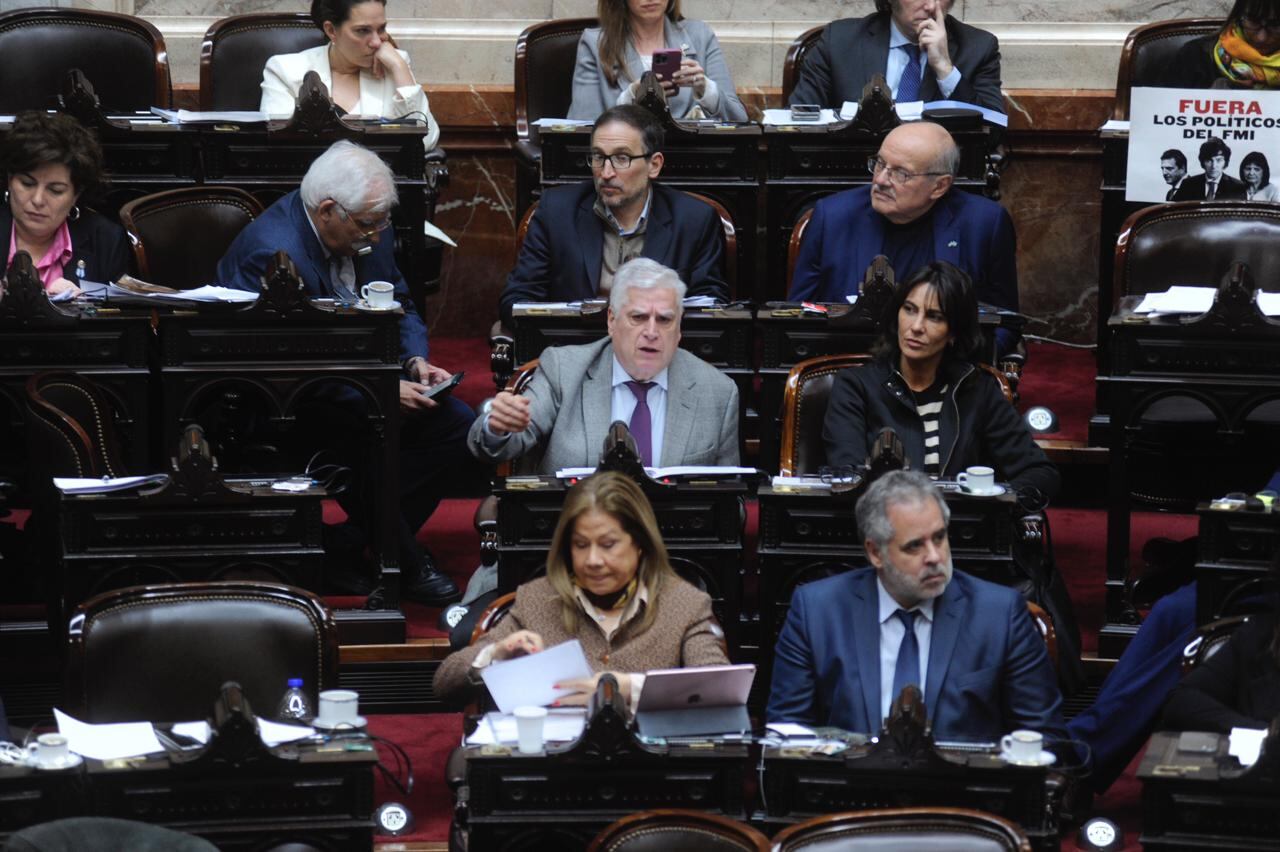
<point x="427" y="740"/>
<point x="1061" y="378"/>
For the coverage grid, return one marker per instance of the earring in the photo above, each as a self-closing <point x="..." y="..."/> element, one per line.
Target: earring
<point x="75" y="213"/>
<point x="6" y="196"/>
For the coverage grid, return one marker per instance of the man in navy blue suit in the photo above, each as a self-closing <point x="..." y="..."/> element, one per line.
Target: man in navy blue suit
<point x="913" y="215"/>
<point x="331" y="229"/>
<point x="851" y="642"/>
<point x="580" y="234"/>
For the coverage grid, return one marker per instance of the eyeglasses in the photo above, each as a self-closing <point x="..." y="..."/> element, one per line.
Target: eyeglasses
<point x="1255" y="24"/>
<point x="898" y="176"/>
<point x="620" y="162"/>
<point x="368" y="227"/>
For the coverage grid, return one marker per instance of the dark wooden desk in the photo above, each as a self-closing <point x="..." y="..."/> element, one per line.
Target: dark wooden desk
<point x="1236" y="551"/>
<point x="1192" y="801"/>
<point x="1228" y="360"/>
<point x="718" y="160"/>
<point x="702" y="523"/>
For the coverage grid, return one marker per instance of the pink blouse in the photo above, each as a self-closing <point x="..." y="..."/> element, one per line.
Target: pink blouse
<point x="51" y="266"/>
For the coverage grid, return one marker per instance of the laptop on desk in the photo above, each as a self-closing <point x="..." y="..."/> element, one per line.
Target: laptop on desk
<point x="695" y="702"/>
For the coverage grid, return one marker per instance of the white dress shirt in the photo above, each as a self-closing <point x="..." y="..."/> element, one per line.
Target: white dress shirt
<point x="624" y="405"/>
<point x="898" y="63"/>
<point x="892" y="631"/>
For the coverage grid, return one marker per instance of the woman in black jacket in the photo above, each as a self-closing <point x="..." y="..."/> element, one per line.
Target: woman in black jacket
<point x="1244" y="54"/>
<point x="924" y="384"/>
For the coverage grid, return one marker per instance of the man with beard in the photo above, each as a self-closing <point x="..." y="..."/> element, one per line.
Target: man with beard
<point x="581" y="234"/>
<point x="852" y="642"/>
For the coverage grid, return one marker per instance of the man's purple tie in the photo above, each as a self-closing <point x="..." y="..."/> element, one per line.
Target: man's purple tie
<point x="909" y="85"/>
<point x="642" y="422"/>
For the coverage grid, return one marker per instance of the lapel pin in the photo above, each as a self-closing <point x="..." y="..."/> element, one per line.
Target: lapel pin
<point x="952" y="244"/>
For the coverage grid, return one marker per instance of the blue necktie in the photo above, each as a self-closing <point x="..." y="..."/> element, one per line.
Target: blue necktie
<point x="907" y="669"/>
<point x="909" y="84"/>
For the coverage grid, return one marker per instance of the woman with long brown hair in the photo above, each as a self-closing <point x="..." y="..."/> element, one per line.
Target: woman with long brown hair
<point x="609" y="585"/>
<point x="613" y="56"/>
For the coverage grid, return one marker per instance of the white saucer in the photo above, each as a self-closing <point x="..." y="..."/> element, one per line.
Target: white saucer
<point x="71" y="760"/>
<point x="359" y="723"/>
<point x="1047" y="758"/>
<point x="993" y="491"/>
<point x="362" y="305"/>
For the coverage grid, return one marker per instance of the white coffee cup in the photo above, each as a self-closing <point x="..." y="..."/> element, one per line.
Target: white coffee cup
<point x="379" y="294"/>
<point x="530" y="725"/>
<point x="977" y="478"/>
<point x="338" y="708"/>
<point x="1022" y="746"/>
<point x="49" y="750"/>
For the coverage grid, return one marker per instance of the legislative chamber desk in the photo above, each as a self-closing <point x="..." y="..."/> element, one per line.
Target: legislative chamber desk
<point x="1236" y="549"/>
<point x="1204" y="799"/>
<point x="562" y="798"/>
<point x="808" y="533"/>
<point x="702" y="522"/>
<point x="319" y="794"/>
<point x="1228" y="359"/>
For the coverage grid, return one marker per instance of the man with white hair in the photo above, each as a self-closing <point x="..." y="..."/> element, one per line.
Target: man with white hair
<point x="331" y="228"/>
<point x="681" y="410"/>
<point x="852" y="642"/>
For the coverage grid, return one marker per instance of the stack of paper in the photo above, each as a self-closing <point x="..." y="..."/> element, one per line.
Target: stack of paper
<point x="563" y="725"/>
<point x="1177" y="300"/>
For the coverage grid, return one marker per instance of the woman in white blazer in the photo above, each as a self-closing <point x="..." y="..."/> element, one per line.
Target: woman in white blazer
<point x="364" y="71"/>
<point x="612" y="57"/>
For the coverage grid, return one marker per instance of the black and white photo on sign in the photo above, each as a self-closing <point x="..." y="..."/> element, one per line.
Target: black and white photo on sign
<point x="1203" y="145"/>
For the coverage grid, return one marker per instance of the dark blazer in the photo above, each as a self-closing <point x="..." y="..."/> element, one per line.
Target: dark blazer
<point x="846" y="233"/>
<point x="562" y="252"/>
<point x="989" y="672"/>
<point x="284" y="225"/>
<point x="96" y="240"/>
<point x="850" y="51"/>
<point x="1229" y="189"/>
<point x="1238" y="687"/>
<point x="977" y="424"/>
<point x="1193" y="67"/>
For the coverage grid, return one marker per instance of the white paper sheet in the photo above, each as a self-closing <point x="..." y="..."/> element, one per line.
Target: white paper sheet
<point x="188" y="116"/>
<point x="1269" y="303"/>
<point x="530" y="679"/>
<point x="108" y="742"/>
<point x="198" y="731"/>
<point x="275" y="733"/>
<point x="1177" y="300"/>
<point x="663" y="472"/>
<point x="1246" y="744"/>
<point x="563" y="122"/>
<point x="564" y="724"/>
<point x="106" y="485"/>
<point x="782" y="118"/>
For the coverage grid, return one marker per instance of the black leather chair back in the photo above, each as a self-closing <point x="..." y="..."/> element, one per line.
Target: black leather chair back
<point x="678" y="831"/>
<point x="160" y="227"/>
<point x="546" y="54"/>
<point x="804" y="408"/>
<point x="104" y="834"/>
<point x="1148" y="52"/>
<point x="123" y="57"/>
<point x="1194" y="242"/>
<point x="236" y="49"/>
<point x="70" y="428"/>
<point x="163" y="652"/>
<point x="904" y="830"/>
<point x="794" y="61"/>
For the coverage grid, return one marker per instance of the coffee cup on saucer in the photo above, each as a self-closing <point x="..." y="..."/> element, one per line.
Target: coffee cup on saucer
<point x="978" y="479"/>
<point x="379" y="295"/>
<point x="339" y="709"/>
<point x="1022" y="747"/>
<point x="51" y="751"/>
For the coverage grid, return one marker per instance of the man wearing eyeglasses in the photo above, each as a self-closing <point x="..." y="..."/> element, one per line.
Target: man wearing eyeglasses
<point x="333" y="229"/>
<point x="912" y="214"/>
<point x="581" y="234"/>
<point x="923" y="53"/>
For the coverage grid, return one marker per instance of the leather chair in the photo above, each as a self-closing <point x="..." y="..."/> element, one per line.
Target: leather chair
<point x="493" y="615"/>
<point x="1149" y="50"/>
<point x="70" y="428"/>
<point x="546" y="54"/>
<point x="123" y="57"/>
<point x="804" y="407"/>
<point x="160" y="226"/>
<point x="1209" y="640"/>
<point x="794" y="243"/>
<point x="678" y="831"/>
<point x="903" y="829"/>
<point x="103" y="834"/>
<point x="236" y="49"/>
<point x="1043" y="623"/>
<point x="794" y="61"/>
<point x="730" y="241"/>
<point x="163" y="652"/>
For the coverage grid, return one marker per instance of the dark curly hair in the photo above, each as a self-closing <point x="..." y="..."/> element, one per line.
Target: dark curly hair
<point x="40" y="138"/>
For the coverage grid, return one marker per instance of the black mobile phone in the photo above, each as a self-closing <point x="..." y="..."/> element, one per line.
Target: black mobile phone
<point x="444" y="388"/>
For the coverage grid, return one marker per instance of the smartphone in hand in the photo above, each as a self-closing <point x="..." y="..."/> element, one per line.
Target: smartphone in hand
<point x="667" y="62"/>
<point x="445" y="388"/>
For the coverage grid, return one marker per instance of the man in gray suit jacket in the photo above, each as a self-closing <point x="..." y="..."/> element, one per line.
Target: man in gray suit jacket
<point x="950" y="60"/>
<point x="681" y="410"/>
